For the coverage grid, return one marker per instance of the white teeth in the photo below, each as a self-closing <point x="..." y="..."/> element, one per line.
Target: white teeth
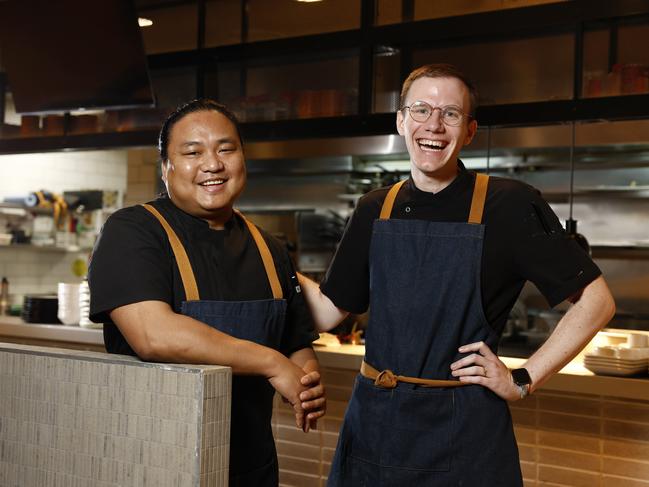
<point x="213" y="182"/>
<point x="436" y="144"/>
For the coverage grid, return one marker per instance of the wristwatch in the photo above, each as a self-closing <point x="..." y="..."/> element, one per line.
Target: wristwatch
<point x="522" y="379"/>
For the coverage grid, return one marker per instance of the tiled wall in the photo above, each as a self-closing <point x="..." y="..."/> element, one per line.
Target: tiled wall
<point x="90" y="419"/>
<point x="132" y="173"/>
<point x="575" y="440"/>
<point x="60" y="171"/>
<point x="31" y="271"/>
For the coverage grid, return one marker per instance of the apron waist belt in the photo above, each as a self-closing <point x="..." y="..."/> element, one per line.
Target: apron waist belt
<point x="388" y="379"/>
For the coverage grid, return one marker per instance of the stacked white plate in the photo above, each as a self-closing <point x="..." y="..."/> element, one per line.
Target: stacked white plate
<point x="84" y="307"/>
<point x="68" y="310"/>
<point x="620" y="361"/>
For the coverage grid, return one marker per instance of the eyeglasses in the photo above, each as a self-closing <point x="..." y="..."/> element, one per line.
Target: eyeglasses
<point x="420" y="111"/>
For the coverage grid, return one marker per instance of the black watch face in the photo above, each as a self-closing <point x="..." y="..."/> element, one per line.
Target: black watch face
<point x="521" y="377"/>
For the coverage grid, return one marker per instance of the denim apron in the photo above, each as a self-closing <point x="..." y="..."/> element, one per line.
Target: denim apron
<point x="253" y="458"/>
<point x="425" y="301"/>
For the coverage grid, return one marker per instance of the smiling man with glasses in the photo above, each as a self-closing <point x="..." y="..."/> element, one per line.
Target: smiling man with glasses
<point x="440" y="260"/>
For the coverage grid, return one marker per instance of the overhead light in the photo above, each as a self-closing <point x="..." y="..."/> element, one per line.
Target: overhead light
<point x="142" y="22"/>
<point x="309" y="1"/>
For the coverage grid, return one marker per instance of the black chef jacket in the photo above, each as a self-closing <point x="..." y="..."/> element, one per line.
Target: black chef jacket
<point x="132" y="261"/>
<point x="524" y="240"/>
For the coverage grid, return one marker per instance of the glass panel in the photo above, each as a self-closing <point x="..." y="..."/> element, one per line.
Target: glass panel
<point x="286" y="89"/>
<point x="388" y="12"/>
<point x="515" y="71"/>
<point x="222" y="22"/>
<point x="387" y="82"/>
<point x="630" y="73"/>
<point x="173" y="29"/>
<point x="171" y="87"/>
<point x="273" y="19"/>
<point x="425" y="9"/>
<point x="596" y="81"/>
<point x="633" y="58"/>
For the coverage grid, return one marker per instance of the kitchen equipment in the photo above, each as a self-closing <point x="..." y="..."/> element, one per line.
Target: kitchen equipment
<point x="4" y="297"/>
<point x="41" y="308"/>
<point x="84" y="307"/>
<point x="68" y="303"/>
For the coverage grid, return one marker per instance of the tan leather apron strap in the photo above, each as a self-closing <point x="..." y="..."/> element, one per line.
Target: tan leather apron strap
<point x="388" y="379"/>
<point x="266" y="257"/>
<point x="185" y="268"/>
<point x="388" y="202"/>
<point x="479" y="197"/>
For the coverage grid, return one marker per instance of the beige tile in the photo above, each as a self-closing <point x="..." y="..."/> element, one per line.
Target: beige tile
<point x="328" y="455"/>
<point x="611" y="481"/>
<point x="569" y="423"/>
<point x="630" y="431"/>
<point x="524" y="417"/>
<point x="525" y="436"/>
<point x="336" y="409"/>
<point x="633" y="450"/>
<point x="565" y="458"/>
<point x="292" y="434"/>
<point x="580" y="406"/>
<point x="530" y="402"/>
<point x="527" y="453"/>
<point x="627" y="412"/>
<point x="626" y="468"/>
<point x="336" y="393"/>
<point x="299" y="465"/>
<point x="565" y="476"/>
<point x="567" y="441"/>
<point x="528" y="469"/>
<point x="330" y="424"/>
<point x="298" y="450"/>
<point x="295" y="479"/>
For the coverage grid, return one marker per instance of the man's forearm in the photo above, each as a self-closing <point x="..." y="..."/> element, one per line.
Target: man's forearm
<point x="579" y="325"/>
<point x="156" y="333"/>
<point x="326" y="315"/>
<point x="306" y="359"/>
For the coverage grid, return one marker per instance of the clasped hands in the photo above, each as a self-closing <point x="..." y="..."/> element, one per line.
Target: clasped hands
<point x="304" y="392"/>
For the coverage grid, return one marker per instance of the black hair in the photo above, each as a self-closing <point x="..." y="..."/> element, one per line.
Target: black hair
<point x="199" y="105"/>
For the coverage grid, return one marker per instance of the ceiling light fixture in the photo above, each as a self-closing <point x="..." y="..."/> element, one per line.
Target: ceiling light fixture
<point x="309" y="1"/>
<point x="142" y="22"/>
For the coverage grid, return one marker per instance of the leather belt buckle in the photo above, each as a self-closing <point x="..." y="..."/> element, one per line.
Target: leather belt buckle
<point x="386" y="379"/>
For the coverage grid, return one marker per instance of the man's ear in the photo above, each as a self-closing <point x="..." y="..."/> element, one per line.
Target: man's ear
<point x="472" y="128"/>
<point x="164" y="167"/>
<point x="400" y="120"/>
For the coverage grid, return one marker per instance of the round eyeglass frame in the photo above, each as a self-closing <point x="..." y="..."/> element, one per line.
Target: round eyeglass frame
<point x="468" y="116"/>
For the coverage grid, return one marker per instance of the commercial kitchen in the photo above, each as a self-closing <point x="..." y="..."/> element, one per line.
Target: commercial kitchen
<point x="564" y="107"/>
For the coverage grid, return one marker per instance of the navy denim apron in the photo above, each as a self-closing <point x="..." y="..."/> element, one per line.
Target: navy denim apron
<point x="425" y="302"/>
<point x="253" y="458"/>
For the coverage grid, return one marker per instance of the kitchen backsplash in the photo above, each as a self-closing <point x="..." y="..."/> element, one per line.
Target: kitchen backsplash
<point x="60" y="171"/>
<point x="33" y="270"/>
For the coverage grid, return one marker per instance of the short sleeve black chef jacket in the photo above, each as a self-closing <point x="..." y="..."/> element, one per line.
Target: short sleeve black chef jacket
<point x="524" y="240"/>
<point x="133" y="261"/>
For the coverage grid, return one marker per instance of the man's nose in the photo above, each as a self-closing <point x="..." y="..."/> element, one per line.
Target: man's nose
<point x="434" y="122"/>
<point x="212" y="162"/>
